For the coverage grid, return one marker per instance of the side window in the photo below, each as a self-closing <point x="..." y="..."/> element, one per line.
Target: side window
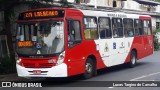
<point x="128" y="27"/>
<point x="117" y="27"/>
<point x="147" y="27"/>
<point x="138" y="27"/>
<point x="74" y="34"/>
<point x="77" y="30"/>
<point x="105" y="28"/>
<point x="90" y="28"/>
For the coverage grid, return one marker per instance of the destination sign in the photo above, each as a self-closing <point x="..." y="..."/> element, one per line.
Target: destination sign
<point x="25" y="44"/>
<point x="41" y="14"/>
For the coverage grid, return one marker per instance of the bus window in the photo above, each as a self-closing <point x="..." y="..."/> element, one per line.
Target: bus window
<point x="128" y="27"/>
<point x="117" y="27"/>
<point x="105" y="28"/>
<point x="77" y="30"/>
<point x="74" y="32"/>
<point x="90" y="28"/>
<point x="147" y="27"/>
<point x="138" y="27"/>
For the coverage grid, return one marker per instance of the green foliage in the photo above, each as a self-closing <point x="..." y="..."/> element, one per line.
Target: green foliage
<point x="64" y="3"/>
<point x="158" y="30"/>
<point x="7" y="66"/>
<point x="77" y="1"/>
<point x="156" y="44"/>
<point x="158" y="0"/>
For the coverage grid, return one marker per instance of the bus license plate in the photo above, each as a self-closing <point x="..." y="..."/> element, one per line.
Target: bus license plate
<point x="36" y="71"/>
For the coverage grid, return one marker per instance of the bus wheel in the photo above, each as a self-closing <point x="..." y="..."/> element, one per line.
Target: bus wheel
<point x="89" y="69"/>
<point x="133" y="59"/>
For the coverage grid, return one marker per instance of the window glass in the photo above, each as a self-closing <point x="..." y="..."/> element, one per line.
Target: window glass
<point x="40" y="38"/>
<point x="90" y="28"/>
<point x="138" y="27"/>
<point x="117" y="27"/>
<point x="128" y="27"/>
<point x="105" y="28"/>
<point x="147" y="27"/>
<point x="75" y="32"/>
<point x="26" y="32"/>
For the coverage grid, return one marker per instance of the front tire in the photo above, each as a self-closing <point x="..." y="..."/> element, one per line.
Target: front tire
<point x="133" y="59"/>
<point x="89" y="69"/>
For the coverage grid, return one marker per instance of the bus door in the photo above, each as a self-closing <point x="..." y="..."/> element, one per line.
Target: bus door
<point x="129" y="34"/>
<point x="75" y="52"/>
<point x="118" y="44"/>
<point x="105" y="41"/>
<point x="147" y="38"/>
<point x="138" y="27"/>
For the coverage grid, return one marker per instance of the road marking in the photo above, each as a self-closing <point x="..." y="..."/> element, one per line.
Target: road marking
<point x="110" y="87"/>
<point x="143" y="80"/>
<point x="135" y="79"/>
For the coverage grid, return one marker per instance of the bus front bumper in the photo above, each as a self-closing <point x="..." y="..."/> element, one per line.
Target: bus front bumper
<point x="55" y="71"/>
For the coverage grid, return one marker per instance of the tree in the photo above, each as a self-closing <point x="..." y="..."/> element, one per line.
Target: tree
<point x="7" y="7"/>
<point x="158" y="0"/>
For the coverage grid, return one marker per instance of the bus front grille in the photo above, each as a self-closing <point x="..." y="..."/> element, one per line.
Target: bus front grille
<point x="39" y="65"/>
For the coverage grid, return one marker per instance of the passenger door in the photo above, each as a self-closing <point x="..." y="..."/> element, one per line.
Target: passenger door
<point x="129" y="34"/>
<point x="105" y="40"/>
<point x="118" y="43"/>
<point x="75" y="56"/>
<point x="147" y="38"/>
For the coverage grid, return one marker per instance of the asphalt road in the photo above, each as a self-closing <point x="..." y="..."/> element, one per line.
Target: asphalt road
<point x="147" y="69"/>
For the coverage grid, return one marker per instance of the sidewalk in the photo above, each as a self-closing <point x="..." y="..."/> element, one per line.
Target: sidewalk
<point x="10" y="77"/>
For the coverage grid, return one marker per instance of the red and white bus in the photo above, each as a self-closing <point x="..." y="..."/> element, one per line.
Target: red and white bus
<point x="62" y="42"/>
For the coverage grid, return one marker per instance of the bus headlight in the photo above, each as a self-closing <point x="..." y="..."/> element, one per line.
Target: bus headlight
<point x="18" y="60"/>
<point x="60" y="59"/>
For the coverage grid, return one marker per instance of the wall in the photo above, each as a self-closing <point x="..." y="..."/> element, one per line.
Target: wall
<point x="154" y="23"/>
<point x="130" y="4"/>
<point x="158" y="8"/>
<point x="99" y="2"/>
<point x="70" y="1"/>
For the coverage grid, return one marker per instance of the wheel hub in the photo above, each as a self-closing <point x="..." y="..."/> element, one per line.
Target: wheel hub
<point x="133" y="59"/>
<point x="88" y="68"/>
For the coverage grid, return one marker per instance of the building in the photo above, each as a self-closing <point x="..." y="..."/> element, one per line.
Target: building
<point x="149" y="7"/>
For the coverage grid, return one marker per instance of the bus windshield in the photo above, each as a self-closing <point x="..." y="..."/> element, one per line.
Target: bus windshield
<point x="40" y="38"/>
